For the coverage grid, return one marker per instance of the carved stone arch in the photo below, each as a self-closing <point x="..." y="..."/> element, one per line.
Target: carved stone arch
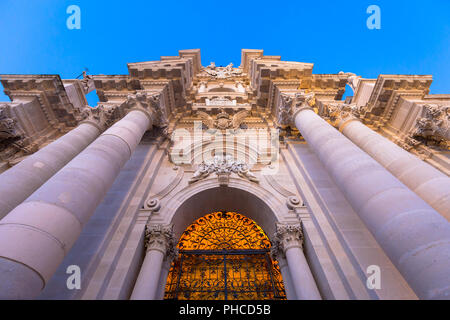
<point x="196" y="200"/>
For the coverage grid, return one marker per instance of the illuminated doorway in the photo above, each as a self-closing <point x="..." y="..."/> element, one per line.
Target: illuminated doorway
<point x="224" y="256"/>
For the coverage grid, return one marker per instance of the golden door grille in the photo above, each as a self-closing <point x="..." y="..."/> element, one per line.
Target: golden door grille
<point x="224" y="256"/>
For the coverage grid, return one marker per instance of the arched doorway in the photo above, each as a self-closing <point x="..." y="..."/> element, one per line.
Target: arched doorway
<point x="224" y="256"/>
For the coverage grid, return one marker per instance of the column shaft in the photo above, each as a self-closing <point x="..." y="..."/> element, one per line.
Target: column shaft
<point x="287" y="280"/>
<point x="146" y="286"/>
<point x="38" y="233"/>
<point x="430" y="184"/>
<point x="19" y="182"/>
<point x="163" y="281"/>
<point x="414" y="236"/>
<point x="302" y="278"/>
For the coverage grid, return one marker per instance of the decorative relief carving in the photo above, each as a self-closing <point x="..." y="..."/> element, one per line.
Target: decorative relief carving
<point x="160" y="238"/>
<point x="432" y="129"/>
<point x="222" y="72"/>
<point x="284" y="117"/>
<point x="153" y="205"/>
<point x="223" y="167"/>
<point x="293" y="202"/>
<point x="223" y="120"/>
<point x="287" y="236"/>
<point x="13" y="144"/>
<point x="7" y="124"/>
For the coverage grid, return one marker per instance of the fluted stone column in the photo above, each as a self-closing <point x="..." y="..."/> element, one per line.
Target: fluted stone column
<point x="430" y="184"/>
<point x="36" y="235"/>
<point x="20" y="181"/>
<point x="414" y="236"/>
<point x="288" y="243"/>
<point x="159" y="246"/>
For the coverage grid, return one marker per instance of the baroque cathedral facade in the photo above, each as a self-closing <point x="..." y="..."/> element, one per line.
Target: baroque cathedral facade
<point x="256" y="182"/>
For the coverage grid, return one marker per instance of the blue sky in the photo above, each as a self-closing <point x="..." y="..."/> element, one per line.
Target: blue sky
<point x="414" y="37"/>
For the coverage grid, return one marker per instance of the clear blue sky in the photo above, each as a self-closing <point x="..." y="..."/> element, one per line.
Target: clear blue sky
<point x="414" y="37"/>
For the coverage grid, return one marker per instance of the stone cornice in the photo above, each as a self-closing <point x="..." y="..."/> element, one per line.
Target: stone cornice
<point x="50" y="92"/>
<point x="388" y="88"/>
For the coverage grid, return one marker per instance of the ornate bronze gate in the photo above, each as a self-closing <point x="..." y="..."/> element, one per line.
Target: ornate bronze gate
<point x="224" y="256"/>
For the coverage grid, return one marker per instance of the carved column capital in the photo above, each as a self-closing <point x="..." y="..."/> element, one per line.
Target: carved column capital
<point x="160" y="238"/>
<point x="101" y="116"/>
<point x="303" y="101"/>
<point x="290" y="105"/>
<point x="287" y="236"/>
<point x="341" y="114"/>
<point x="150" y="104"/>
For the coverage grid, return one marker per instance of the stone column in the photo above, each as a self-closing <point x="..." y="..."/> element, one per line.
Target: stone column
<point x="288" y="243"/>
<point x="430" y="184"/>
<point x="163" y="279"/>
<point x="37" y="234"/>
<point x="414" y="236"/>
<point x="287" y="280"/>
<point x="159" y="246"/>
<point x="20" y="181"/>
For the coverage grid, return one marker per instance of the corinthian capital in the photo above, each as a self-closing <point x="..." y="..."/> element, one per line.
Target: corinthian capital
<point x="150" y="103"/>
<point x="303" y="101"/>
<point x="340" y="114"/>
<point x="101" y="116"/>
<point x="287" y="236"/>
<point x="291" y="104"/>
<point x="160" y="238"/>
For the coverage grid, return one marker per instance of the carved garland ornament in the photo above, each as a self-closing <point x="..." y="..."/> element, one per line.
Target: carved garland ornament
<point x="223" y="167"/>
<point x="222" y="72"/>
